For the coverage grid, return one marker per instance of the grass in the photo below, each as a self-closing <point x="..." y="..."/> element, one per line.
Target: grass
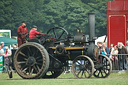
<point x="66" y="79"/>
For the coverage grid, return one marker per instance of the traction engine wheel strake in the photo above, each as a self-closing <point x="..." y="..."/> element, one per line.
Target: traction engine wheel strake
<point x="31" y="60"/>
<point x="82" y="67"/>
<point x="103" y="67"/>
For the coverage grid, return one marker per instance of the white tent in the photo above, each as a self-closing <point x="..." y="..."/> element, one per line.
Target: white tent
<point x="101" y="39"/>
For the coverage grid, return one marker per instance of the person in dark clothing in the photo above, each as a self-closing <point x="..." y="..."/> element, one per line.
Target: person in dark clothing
<point x="122" y="58"/>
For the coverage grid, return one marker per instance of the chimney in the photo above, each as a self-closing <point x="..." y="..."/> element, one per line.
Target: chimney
<point x="91" y="23"/>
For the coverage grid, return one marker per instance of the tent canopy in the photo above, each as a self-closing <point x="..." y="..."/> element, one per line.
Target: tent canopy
<point x="8" y="41"/>
<point x="101" y="39"/>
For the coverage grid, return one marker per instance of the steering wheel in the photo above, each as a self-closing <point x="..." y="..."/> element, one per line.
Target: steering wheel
<point x="58" y="33"/>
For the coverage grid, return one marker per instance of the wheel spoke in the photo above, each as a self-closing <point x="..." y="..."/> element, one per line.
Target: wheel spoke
<point x="82" y="73"/>
<point x="88" y="73"/>
<point x="23" y="67"/>
<point x="85" y="74"/>
<point x="52" y="72"/>
<point x="54" y="33"/>
<point x="21" y="62"/>
<point x="81" y="61"/>
<point x="29" y="51"/>
<point x="61" y="34"/>
<point x="31" y="71"/>
<point x="39" y="64"/>
<point x="98" y="73"/>
<point x="39" y="57"/>
<point x="36" y="53"/>
<point x="25" y="59"/>
<point x="33" y="55"/>
<point x="84" y="62"/>
<point x="23" y="54"/>
<point x="24" y="70"/>
<point x="36" y="69"/>
<point x="101" y="74"/>
<point x="79" y="73"/>
<point x="78" y="63"/>
<point x="40" y="60"/>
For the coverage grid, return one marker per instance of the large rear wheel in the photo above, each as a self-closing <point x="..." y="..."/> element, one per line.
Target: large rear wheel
<point x="31" y="60"/>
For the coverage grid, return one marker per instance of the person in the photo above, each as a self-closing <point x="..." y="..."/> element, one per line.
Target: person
<point x="33" y="32"/>
<point x="14" y="47"/>
<point x="2" y="46"/>
<point x="127" y="53"/>
<point x="105" y="49"/>
<point x="122" y="58"/>
<point x="111" y="50"/>
<point x="6" y="55"/>
<point x="114" y="58"/>
<point x="1" y="51"/>
<point x="127" y="45"/>
<point x="99" y="44"/>
<point x="22" y="32"/>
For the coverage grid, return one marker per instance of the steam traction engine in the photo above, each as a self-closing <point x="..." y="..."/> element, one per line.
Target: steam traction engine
<point x="47" y="55"/>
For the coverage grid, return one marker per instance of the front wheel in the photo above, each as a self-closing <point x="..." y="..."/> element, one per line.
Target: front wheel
<point x="82" y="67"/>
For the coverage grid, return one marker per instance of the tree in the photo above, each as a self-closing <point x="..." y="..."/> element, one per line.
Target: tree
<point x="46" y="14"/>
<point x="6" y="12"/>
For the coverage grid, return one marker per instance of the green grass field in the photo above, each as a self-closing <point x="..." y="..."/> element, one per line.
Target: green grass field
<point x="66" y="79"/>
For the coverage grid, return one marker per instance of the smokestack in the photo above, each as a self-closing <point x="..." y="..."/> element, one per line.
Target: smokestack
<point x="91" y="22"/>
<point x="91" y="47"/>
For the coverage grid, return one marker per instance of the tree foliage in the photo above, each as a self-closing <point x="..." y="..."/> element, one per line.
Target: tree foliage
<point x="70" y="14"/>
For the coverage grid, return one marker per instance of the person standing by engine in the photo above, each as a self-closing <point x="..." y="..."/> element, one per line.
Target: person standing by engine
<point x="22" y="32"/>
<point x="33" y="32"/>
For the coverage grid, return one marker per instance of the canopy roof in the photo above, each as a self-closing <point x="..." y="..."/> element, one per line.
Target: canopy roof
<point x="8" y="41"/>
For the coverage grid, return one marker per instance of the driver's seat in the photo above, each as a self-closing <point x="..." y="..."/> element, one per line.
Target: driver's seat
<point x="34" y="40"/>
